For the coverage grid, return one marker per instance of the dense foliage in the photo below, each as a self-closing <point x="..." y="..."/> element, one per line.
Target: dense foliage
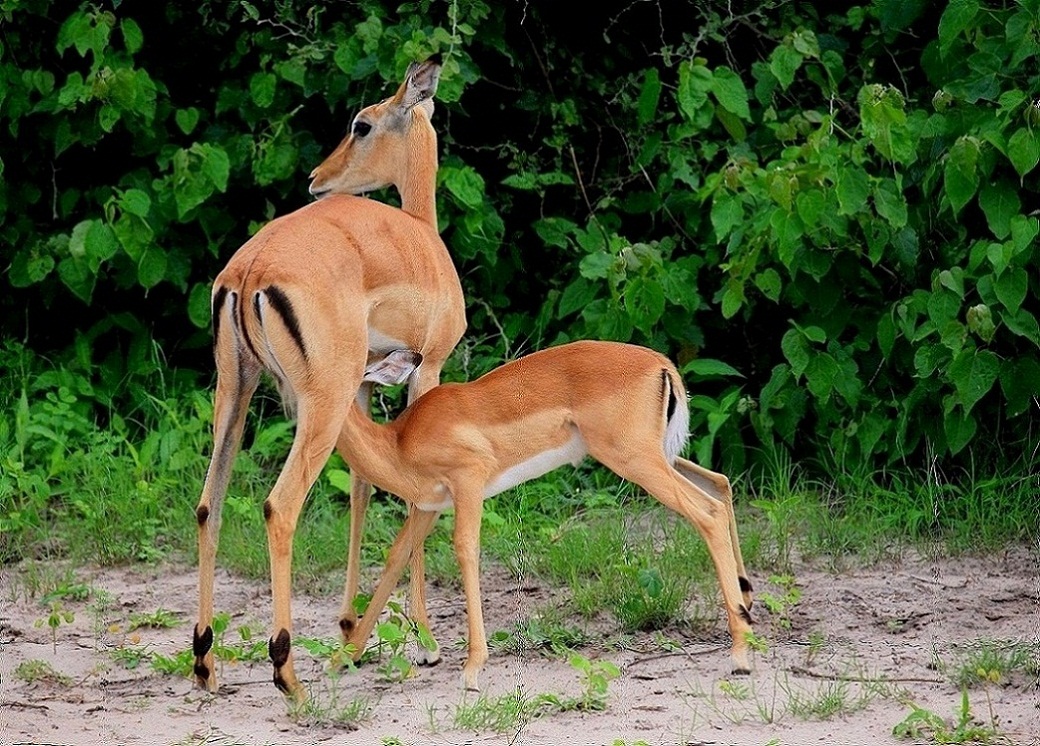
<point x="828" y="219"/>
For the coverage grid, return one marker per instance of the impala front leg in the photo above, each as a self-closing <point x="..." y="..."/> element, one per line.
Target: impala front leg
<point x="469" y="507"/>
<point x="413" y="533"/>
<point x="424" y="378"/>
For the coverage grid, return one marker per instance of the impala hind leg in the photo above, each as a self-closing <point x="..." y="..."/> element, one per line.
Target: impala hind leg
<point x="711" y="518"/>
<point x="318" y="425"/>
<point x="235" y="387"/>
<point x="718" y="486"/>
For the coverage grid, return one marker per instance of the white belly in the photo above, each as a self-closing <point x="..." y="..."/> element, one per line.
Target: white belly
<point x="571" y="452"/>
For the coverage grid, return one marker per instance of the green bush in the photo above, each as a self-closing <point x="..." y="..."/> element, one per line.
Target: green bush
<point x="828" y="219"/>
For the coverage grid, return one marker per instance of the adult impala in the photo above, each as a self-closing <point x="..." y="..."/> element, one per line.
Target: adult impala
<point x="461" y="443"/>
<point x="338" y="280"/>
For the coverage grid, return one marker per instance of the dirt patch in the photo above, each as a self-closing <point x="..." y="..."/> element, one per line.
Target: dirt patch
<point x="839" y="667"/>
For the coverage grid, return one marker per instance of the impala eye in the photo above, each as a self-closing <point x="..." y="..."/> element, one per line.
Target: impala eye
<point x="361" y="128"/>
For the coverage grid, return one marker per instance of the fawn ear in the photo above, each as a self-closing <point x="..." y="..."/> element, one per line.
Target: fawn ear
<point x="394" y="368"/>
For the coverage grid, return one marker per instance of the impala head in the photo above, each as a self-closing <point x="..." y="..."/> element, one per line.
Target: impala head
<point x="382" y="138"/>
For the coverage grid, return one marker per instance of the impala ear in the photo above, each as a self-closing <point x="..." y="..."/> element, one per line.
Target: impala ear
<point x="420" y="85"/>
<point x="394" y="368"/>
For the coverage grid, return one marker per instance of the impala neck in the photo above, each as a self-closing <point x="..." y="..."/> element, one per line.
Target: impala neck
<point x="371" y="449"/>
<point x="418" y="184"/>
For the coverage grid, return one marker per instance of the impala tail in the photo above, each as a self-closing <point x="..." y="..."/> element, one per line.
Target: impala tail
<point x="677" y="414"/>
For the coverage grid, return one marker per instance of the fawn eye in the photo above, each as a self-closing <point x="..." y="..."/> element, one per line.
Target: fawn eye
<point x="361" y="128"/>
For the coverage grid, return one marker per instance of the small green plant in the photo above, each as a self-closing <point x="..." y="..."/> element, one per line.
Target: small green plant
<point x="391" y="741"/>
<point x="338" y="653"/>
<point x="326" y="706"/>
<point x="542" y="632"/>
<point x="734" y="690"/>
<point x="756" y="642"/>
<point x="35" y="670"/>
<point x="925" y="724"/>
<point x="68" y="591"/>
<point x="130" y="657"/>
<point x="58" y="615"/>
<point x="595" y="677"/>
<point x="990" y="661"/>
<point x="159" y="619"/>
<point x="179" y="664"/>
<point x="393" y="635"/>
<point x="780" y="605"/>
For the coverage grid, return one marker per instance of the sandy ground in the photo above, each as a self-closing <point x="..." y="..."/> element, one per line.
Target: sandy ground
<point x="858" y="646"/>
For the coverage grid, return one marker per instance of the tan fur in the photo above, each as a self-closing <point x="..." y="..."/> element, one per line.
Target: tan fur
<point x="458" y="438"/>
<point x="361" y="277"/>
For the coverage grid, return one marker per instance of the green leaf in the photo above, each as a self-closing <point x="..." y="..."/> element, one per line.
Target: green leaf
<point x="338" y="478"/>
<point x="215" y="164"/>
<point x="136" y="202"/>
<point x="132" y="36"/>
<point x="644" y="301"/>
<point x="960" y="429"/>
<point x="784" y="63"/>
<point x="77" y="277"/>
<point x="1011" y="288"/>
<point x="726" y="213"/>
<point x="980" y="322"/>
<point x="729" y="91"/>
<point x="151" y="269"/>
<point x="465" y="184"/>
<point x="731" y="123"/>
<point x="262" y="88"/>
<point x="853" y="189"/>
<point x="199" y="307"/>
<point x="1020" y="381"/>
<point x="890" y="203"/>
<point x="1023" y="324"/>
<point x="960" y="174"/>
<point x="769" y="282"/>
<point x="101" y="243"/>
<point x="649" y="95"/>
<point x="1023" y="150"/>
<point x="732" y="298"/>
<point x="706" y="367"/>
<point x="973" y="373"/>
<point x="1023" y="232"/>
<point x="886" y="335"/>
<point x="821" y="374"/>
<point x="576" y="296"/>
<point x="953" y="279"/>
<point x="884" y="121"/>
<point x="694" y="84"/>
<point x="955" y="20"/>
<point x="187" y="119"/>
<point x="596" y="266"/>
<point x="810" y="205"/>
<point x="999" y="202"/>
<point x="796" y="350"/>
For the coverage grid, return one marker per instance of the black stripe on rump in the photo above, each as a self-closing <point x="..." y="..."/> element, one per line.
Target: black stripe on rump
<point x="281" y="304"/>
<point x="235" y="306"/>
<point x="215" y="311"/>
